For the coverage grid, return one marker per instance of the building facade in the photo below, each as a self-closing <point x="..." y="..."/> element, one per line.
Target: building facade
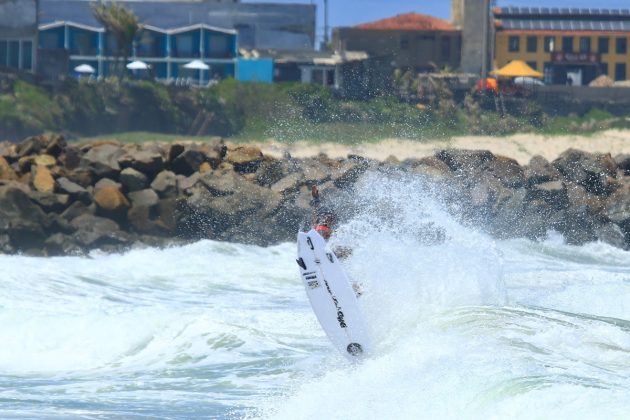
<point x="411" y="41"/>
<point x="259" y="25"/>
<point x="570" y="46"/>
<point x="18" y="34"/>
<point x="167" y="51"/>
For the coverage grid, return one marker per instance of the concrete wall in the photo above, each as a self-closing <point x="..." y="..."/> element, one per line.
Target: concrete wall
<point x="472" y="36"/>
<point x="407" y="49"/>
<point x="18" y="18"/>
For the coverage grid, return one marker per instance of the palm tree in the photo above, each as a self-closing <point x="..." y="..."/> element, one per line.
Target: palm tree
<point x="123" y="24"/>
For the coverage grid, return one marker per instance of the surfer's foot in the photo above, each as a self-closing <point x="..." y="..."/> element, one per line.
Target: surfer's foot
<point x="358" y="290"/>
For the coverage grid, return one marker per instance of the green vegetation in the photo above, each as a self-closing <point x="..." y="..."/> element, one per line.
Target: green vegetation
<point x="254" y="112"/>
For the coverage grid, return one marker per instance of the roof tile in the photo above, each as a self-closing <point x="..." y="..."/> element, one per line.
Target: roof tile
<point x="409" y="22"/>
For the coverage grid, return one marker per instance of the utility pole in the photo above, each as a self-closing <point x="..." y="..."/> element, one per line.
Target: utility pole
<point x="326" y="40"/>
<point x="484" y="46"/>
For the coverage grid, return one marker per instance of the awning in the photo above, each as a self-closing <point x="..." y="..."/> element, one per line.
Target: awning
<point x="517" y="68"/>
<point x="84" y="68"/>
<point x="137" y="65"/>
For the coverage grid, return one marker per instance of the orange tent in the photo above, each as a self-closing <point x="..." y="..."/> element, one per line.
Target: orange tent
<point x="517" y="68"/>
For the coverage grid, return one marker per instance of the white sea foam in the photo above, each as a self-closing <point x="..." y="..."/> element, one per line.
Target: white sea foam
<point x="469" y="327"/>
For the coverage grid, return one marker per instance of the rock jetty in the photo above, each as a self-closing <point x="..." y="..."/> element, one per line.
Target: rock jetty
<point x="60" y="198"/>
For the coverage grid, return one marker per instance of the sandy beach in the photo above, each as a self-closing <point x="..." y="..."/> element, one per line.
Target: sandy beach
<point x="519" y="146"/>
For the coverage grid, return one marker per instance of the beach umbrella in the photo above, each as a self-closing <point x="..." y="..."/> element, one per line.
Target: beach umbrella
<point x="197" y="65"/>
<point x="137" y="65"/>
<point x="517" y="68"/>
<point x="85" y="68"/>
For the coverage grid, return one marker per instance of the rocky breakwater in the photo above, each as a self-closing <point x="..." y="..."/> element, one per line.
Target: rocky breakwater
<point x="59" y="198"/>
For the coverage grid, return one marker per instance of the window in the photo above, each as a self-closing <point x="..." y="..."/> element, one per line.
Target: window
<point x="446" y="49"/>
<point x="330" y="78"/>
<point x="4" y="49"/>
<point x="404" y="43"/>
<point x="14" y="54"/>
<point x="514" y="44"/>
<point x="27" y="55"/>
<point x="548" y="72"/>
<point x="585" y="44"/>
<point x="425" y="38"/>
<point x="603" y="68"/>
<point x="620" y="71"/>
<point x="567" y="44"/>
<point x="602" y="46"/>
<point x="532" y="64"/>
<point x="622" y="46"/>
<point x="549" y="43"/>
<point x="532" y="44"/>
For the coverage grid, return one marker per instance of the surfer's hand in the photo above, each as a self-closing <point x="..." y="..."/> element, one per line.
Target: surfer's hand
<point x="315" y="191"/>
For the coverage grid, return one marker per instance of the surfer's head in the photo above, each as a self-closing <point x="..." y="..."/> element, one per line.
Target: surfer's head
<point x="325" y="222"/>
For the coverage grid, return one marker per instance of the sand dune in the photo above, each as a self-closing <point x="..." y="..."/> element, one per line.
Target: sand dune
<point x="519" y="146"/>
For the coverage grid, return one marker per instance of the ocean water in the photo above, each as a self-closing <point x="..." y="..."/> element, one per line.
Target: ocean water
<point x="466" y="328"/>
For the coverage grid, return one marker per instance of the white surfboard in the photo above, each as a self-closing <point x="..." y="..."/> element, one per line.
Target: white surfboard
<point x="332" y="297"/>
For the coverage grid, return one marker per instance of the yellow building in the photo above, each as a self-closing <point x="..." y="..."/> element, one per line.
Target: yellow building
<point x="570" y="46"/>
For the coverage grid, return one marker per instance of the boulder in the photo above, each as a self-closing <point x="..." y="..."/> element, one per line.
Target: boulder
<point x="6" y="171"/>
<point x="205" y="167"/>
<point x="595" y="172"/>
<point x="107" y="182"/>
<point x="623" y="163"/>
<point x="140" y="219"/>
<point x="289" y="183"/>
<point x="612" y="234"/>
<point x="553" y="193"/>
<point x="349" y="172"/>
<point x="165" y="184"/>
<point x="75" y="191"/>
<point x="540" y="170"/>
<point x="271" y="171"/>
<point x="71" y="158"/>
<point x="50" y="202"/>
<point x="110" y="202"/>
<point x="174" y="150"/>
<point x="147" y="160"/>
<point x="97" y="232"/>
<point x="617" y="207"/>
<point x="188" y="162"/>
<point x="60" y="244"/>
<point x="56" y="145"/>
<point x="245" y="159"/>
<point x="77" y="209"/>
<point x="133" y="179"/>
<point x="102" y="160"/>
<point x="32" y="145"/>
<point x="469" y="161"/>
<point x="185" y="183"/>
<point x="45" y="160"/>
<point x="507" y="170"/>
<point x="8" y="151"/>
<point x="144" y="198"/>
<point x="20" y="218"/>
<point x="43" y="180"/>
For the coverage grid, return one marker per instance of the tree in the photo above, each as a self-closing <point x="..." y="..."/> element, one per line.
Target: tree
<point x="123" y="24"/>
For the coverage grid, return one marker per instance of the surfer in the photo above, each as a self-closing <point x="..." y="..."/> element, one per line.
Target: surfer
<point x="324" y="221"/>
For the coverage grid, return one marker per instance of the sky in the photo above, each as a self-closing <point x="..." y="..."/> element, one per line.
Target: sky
<point x="352" y="12"/>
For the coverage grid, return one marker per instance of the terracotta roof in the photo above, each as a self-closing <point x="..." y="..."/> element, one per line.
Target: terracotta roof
<point x="409" y="22"/>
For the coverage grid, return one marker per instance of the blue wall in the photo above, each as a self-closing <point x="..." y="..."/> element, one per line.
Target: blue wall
<point x="255" y="70"/>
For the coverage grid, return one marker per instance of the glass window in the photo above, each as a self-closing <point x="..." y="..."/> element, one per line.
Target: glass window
<point x="330" y="77"/>
<point x="603" y="68"/>
<point x="567" y="44"/>
<point x="532" y="43"/>
<point x="404" y="43"/>
<point x="14" y="54"/>
<point x="27" y="55"/>
<point x="549" y="43"/>
<point x="532" y="64"/>
<point x="602" y="44"/>
<point x="585" y="44"/>
<point x="514" y="44"/>
<point x="548" y="72"/>
<point x="4" y="50"/>
<point x="620" y="71"/>
<point x="218" y="46"/>
<point x="446" y="48"/>
<point x="622" y="45"/>
<point x="317" y="77"/>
